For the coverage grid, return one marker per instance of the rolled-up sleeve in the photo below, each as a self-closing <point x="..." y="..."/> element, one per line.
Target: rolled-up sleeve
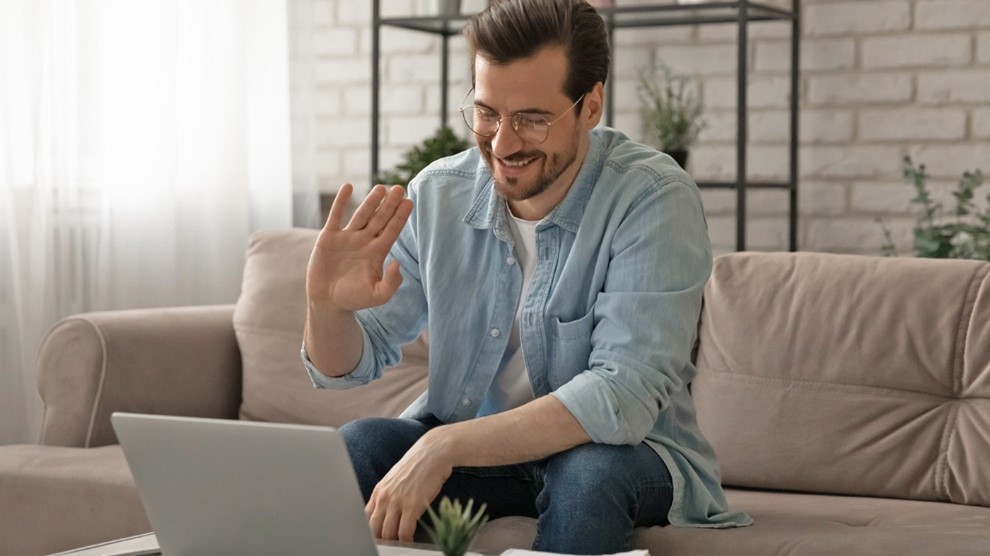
<point x="645" y="318"/>
<point x="362" y="374"/>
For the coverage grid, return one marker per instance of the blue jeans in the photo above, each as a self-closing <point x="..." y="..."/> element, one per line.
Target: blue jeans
<point x="587" y="500"/>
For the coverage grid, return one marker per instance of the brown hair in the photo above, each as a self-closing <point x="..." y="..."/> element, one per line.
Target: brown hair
<point x="509" y="30"/>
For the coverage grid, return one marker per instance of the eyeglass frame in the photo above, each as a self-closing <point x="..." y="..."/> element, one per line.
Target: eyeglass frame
<point x="514" y="119"/>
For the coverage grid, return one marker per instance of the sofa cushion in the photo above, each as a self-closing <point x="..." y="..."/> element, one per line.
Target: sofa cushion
<point x="825" y="525"/>
<point x="56" y="498"/>
<point x="268" y="322"/>
<point x="848" y="374"/>
<point x="799" y="524"/>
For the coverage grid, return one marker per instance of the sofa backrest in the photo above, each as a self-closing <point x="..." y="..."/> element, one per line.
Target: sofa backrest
<point x="848" y="374"/>
<point x="268" y="322"/>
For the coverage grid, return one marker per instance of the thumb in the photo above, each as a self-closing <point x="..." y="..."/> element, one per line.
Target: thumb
<point x="390" y="282"/>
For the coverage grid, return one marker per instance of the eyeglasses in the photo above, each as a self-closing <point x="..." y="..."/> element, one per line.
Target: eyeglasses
<point x="532" y="128"/>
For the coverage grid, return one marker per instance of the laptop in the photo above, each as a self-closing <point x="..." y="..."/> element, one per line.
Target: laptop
<point x="219" y="486"/>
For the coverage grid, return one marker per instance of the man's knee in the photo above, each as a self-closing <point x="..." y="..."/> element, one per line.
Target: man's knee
<point x="590" y="469"/>
<point x="380" y="439"/>
<point x="629" y="481"/>
<point x="368" y="429"/>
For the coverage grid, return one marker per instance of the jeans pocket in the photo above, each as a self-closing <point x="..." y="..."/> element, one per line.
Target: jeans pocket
<point x="570" y="347"/>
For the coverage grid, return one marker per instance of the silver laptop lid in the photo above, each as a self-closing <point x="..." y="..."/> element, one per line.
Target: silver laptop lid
<point x="217" y="486"/>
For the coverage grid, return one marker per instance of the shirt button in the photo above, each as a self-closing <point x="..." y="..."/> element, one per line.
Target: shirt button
<point x="466" y="402"/>
<point x="495" y="333"/>
<point x="510" y="261"/>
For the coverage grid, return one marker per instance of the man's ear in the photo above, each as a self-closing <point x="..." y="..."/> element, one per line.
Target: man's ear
<point x="593" y="106"/>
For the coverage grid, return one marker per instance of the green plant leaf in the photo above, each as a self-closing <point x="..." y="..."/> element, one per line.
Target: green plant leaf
<point x="453" y="527"/>
<point x="670" y="111"/>
<point x="441" y="144"/>
<point x="968" y="237"/>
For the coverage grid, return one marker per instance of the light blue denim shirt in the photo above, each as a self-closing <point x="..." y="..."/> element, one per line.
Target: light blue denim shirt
<point x="608" y="323"/>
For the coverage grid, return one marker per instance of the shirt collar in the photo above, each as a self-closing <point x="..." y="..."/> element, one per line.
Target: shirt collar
<point x="489" y="210"/>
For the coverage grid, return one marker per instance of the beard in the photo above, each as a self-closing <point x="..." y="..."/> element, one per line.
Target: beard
<point x="553" y="166"/>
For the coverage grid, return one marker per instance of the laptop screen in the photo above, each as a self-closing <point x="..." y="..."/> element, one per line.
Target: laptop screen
<point x="217" y="486"/>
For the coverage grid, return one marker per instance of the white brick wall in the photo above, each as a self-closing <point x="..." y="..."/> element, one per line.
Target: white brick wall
<point x="857" y="88"/>
<point x="951" y="14"/>
<point x="880" y="79"/>
<point x="981" y="124"/>
<point x="983" y="48"/>
<point x="856" y="17"/>
<point x="970" y="86"/>
<point x="916" y="50"/>
<point x="912" y="124"/>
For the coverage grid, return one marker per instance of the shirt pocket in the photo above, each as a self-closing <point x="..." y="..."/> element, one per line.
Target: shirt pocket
<point x="570" y="348"/>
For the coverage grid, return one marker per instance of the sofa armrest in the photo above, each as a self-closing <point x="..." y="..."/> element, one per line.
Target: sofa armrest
<point x="171" y="361"/>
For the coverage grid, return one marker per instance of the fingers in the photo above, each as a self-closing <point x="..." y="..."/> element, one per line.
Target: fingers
<point x="375" y="518"/>
<point x="383" y="519"/>
<point x="378" y="210"/>
<point x="391" y="523"/>
<point x="339" y="207"/>
<point x="367" y="208"/>
<point x="390" y="526"/>
<point x="386" y="211"/>
<point x="393" y="227"/>
<point x="407" y="527"/>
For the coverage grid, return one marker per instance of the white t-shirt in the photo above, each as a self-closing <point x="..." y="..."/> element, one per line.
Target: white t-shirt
<point x="511" y="387"/>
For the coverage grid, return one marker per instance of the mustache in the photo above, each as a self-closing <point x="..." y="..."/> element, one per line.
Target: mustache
<point x="515" y="157"/>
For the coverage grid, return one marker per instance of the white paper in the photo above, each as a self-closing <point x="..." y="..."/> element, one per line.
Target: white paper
<point x="521" y="552"/>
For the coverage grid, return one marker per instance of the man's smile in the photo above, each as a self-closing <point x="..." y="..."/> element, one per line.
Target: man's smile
<point x="515" y="165"/>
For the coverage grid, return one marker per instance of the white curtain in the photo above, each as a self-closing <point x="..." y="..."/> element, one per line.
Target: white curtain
<point x="141" y="142"/>
<point x="302" y="93"/>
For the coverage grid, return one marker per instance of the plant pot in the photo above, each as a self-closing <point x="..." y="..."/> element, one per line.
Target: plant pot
<point x="680" y="157"/>
<point x="447" y="7"/>
<point x="444" y="8"/>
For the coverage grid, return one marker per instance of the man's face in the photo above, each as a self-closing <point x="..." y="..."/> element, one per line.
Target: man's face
<point x="533" y="174"/>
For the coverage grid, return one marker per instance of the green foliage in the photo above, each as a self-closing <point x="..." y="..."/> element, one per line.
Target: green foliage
<point x="442" y="143"/>
<point x="454" y="527"/>
<point x="965" y="236"/>
<point x="670" y="110"/>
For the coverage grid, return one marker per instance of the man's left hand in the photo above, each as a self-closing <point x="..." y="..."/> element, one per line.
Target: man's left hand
<point x="403" y="495"/>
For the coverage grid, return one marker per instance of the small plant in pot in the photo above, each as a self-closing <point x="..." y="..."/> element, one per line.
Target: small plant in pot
<point x="442" y="143"/>
<point x="452" y="527"/>
<point x="670" y="111"/>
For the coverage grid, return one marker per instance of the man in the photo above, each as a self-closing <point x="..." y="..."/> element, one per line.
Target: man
<point x="558" y="269"/>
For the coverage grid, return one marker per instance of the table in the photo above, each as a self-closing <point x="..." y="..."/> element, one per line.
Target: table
<point x="147" y="544"/>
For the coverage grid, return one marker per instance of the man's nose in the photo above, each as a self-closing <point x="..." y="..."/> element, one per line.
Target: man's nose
<point x="506" y="141"/>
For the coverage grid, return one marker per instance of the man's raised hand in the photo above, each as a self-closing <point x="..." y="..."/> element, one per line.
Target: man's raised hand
<point x="346" y="270"/>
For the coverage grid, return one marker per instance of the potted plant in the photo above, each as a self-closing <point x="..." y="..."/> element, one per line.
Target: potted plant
<point x="670" y="111"/>
<point x="966" y="236"/>
<point x="453" y="527"/>
<point x="442" y="143"/>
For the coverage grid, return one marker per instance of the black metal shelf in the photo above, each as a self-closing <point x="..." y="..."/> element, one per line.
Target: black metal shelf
<point x="740" y="13"/>
<point x="623" y="16"/>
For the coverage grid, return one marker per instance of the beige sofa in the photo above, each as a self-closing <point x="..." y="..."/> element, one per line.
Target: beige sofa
<point x="847" y="397"/>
